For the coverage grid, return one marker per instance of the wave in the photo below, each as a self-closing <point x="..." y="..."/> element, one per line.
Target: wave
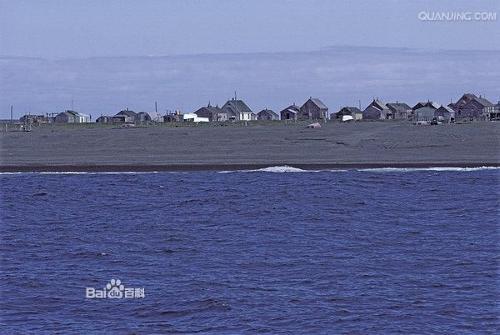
<point x="275" y="169"/>
<point x="437" y="169"/>
<point x="270" y="169"/>
<point x="290" y="169"/>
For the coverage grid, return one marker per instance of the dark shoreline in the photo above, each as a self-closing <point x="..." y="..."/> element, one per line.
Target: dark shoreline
<point x="232" y="167"/>
<point x="334" y="146"/>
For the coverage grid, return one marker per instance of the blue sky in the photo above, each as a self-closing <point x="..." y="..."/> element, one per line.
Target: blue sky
<point x="88" y="28"/>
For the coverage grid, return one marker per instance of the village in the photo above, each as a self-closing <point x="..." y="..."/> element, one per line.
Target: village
<point x="469" y="107"/>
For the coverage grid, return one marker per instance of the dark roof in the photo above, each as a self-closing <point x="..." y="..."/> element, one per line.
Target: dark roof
<point x="430" y="104"/>
<point x="238" y="106"/>
<point x="352" y="110"/>
<point x="318" y="103"/>
<point x="127" y="113"/>
<point x="292" y="108"/>
<point x="398" y="106"/>
<point x="483" y="101"/>
<point x="267" y="111"/>
<point x="447" y="108"/>
<point x="378" y="104"/>
<point x="425" y="109"/>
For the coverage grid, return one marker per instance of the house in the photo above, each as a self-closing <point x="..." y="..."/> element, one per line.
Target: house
<point x="103" y="119"/>
<point x="429" y="104"/>
<point x="424" y="114"/>
<point x="400" y="110"/>
<point x="496" y="112"/>
<point x="130" y="116"/>
<point x="290" y="113"/>
<point x="445" y="114"/>
<point x="34" y="119"/>
<point x="472" y="107"/>
<point x="377" y="110"/>
<point x="212" y="113"/>
<point x="192" y="117"/>
<point x="173" y="117"/>
<point x="237" y="110"/>
<point x="142" y="117"/>
<point x="70" y="116"/>
<point x="313" y="109"/>
<point x="354" y="112"/>
<point x="267" y="114"/>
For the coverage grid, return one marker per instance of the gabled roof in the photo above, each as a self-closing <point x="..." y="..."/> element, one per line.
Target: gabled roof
<point x="209" y="108"/>
<point x="318" y="103"/>
<point x="431" y="104"/>
<point x="292" y="109"/>
<point x="447" y="108"/>
<point x="378" y="104"/>
<point x="352" y="110"/>
<point x="267" y="111"/>
<point x="127" y="113"/>
<point x="237" y="106"/>
<point x="398" y="106"/>
<point x="484" y="102"/>
<point x="425" y="109"/>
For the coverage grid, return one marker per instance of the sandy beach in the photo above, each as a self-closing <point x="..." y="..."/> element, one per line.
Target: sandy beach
<point x="234" y="147"/>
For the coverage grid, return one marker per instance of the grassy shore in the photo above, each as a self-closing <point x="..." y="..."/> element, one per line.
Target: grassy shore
<point x="238" y="146"/>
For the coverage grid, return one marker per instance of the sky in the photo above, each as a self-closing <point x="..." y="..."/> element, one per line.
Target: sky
<point x="95" y="28"/>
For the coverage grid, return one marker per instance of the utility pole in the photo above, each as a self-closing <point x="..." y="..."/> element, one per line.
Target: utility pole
<point x="11" y="113"/>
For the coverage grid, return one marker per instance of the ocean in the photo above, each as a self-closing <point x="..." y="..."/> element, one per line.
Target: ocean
<point x="272" y="251"/>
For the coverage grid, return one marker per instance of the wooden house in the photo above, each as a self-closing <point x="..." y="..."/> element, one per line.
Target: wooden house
<point x="237" y="110"/>
<point x="444" y="114"/>
<point x="212" y="113"/>
<point x="377" y="110"/>
<point x="472" y="107"/>
<point x="353" y="112"/>
<point x="103" y="119"/>
<point x="430" y="104"/>
<point x="290" y="113"/>
<point x="424" y="114"/>
<point x="70" y="116"/>
<point x="267" y="114"/>
<point x="35" y="119"/>
<point x="128" y="116"/>
<point x="496" y="112"/>
<point x="400" y="110"/>
<point x="173" y="117"/>
<point x="313" y="109"/>
<point x="142" y="117"/>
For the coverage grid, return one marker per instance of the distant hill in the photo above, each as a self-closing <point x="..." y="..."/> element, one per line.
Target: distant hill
<point x="339" y="76"/>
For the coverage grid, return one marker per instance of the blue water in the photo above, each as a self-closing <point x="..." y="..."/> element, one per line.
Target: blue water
<point x="358" y="252"/>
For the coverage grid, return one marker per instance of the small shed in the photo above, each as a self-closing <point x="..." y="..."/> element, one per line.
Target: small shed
<point x="267" y="114"/>
<point x="445" y="114"/>
<point x="142" y="117"/>
<point x="353" y="112"/>
<point x="377" y="110"/>
<point x="313" y="109"/>
<point x="290" y="113"/>
<point x="400" y="110"/>
<point x="129" y="115"/>
<point x="424" y="114"/>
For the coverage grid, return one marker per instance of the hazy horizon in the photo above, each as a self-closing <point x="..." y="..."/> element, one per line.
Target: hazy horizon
<point x="102" y="56"/>
<point x="339" y="76"/>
